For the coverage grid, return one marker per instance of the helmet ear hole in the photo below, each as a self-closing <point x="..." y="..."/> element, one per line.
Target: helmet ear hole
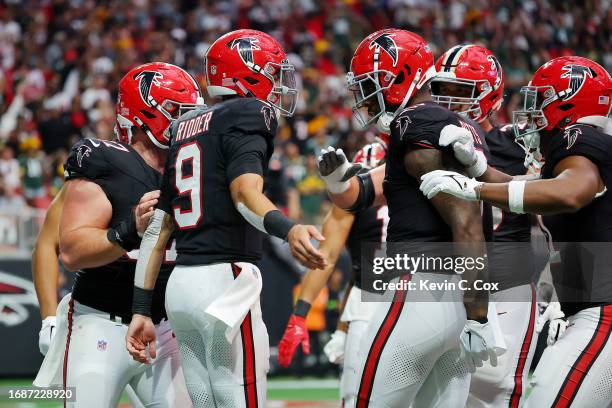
<point x="149" y="115"/>
<point x="566" y="107"/>
<point x="251" y="80"/>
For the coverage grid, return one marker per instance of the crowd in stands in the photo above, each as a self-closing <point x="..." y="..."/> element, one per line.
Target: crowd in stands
<point x="60" y="62"/>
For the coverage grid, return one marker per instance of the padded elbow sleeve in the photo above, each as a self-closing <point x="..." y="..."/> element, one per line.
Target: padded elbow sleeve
<point x="366" y="195"/>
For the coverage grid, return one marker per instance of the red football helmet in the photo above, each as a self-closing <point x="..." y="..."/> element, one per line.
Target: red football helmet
<point x="150" y="97"/>
<point x="251" y="63"/>
<point x="478" y="78"/>
<point x="370" y="155"/>
<point x="387" y="69"/>
<point x="561" y="91"/>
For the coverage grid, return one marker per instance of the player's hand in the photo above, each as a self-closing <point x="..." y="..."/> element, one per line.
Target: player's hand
<point x="47" y="331"/>
<point x="442" y="181"/>
<point x="462" y="143"/>
<point x="336" y="170"/>
<point x="302" y="249"/>
<point x="558" y="322"/>
<point x="334" y="349"/>
<point x="295" y="334"/>
<point x="140" y="338"/>
<point x="477" y="343"/>
<point x="145" y="209"/>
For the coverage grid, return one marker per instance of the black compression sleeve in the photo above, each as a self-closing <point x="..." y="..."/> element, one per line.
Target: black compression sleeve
<point x="366" y="193"/>
<point x="124" y="234"/>
<point x="142" y="301"/>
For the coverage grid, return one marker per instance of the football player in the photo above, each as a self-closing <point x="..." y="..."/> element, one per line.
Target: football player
<point x="567" y="103"/>
<point x="412" y="349"/>
<point x="339" y="228"/>
<point x="470" y="80"/>
<point x="98" y="230"/>
<point x="212" y="198"/>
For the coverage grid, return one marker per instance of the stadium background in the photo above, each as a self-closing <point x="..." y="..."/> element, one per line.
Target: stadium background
<point x="60" y="62"/>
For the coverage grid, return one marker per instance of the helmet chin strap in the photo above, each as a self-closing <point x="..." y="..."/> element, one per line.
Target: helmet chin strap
<point x="384" y="121"/>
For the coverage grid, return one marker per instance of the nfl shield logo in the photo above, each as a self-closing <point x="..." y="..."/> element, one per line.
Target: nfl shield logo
<point x="102" y="345"/>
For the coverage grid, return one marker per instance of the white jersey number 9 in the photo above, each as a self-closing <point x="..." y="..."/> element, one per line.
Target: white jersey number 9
<point x="189" y="184"/>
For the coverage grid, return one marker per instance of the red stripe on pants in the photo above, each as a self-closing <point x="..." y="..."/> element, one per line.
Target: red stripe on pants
<point x="65" y="371"/>
<point x="587" y="358"/>
<point x="369" y="371"/>
<point x="517" y="392"/>
<point x="248" y="355"/>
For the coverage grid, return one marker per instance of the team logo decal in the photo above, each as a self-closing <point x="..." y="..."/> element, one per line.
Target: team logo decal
<point x="386" y="43"/>
<point x="82" y="152"/>
<point x="245" y="48"/>
<point x="496" y="66"/>
<point x="16" y="296"/>
<point x="146" y="80"/>
<point x="102" y="345"/>
<point x="571" y="135"/>
<point x="268" y="114"/>
<point x="577" y="75"/>
<point x="402" y="124"/>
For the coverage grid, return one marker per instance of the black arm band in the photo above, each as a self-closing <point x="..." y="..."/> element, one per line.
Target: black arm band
<point x="125" y="234"/>
<point x="275" y="223"/>
<point x="142" y="301"/>
<point x="366" y="193"/>
<point x="301" y="308"/>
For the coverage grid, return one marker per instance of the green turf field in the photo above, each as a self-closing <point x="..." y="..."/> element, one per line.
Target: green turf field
<point x="282" y="393"/>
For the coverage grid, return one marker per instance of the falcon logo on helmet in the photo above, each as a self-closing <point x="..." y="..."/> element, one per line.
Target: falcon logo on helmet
<point x="245" y="48"/>
<point x="496" y="66"/>
<point x="267" y="114"/>
<point x="387" y="44"/>
<point x="577" y="75"/>
<point x="146" y="79"/>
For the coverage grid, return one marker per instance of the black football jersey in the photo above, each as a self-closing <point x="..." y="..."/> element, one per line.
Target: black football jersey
<point x="124" y="177"/>
<point x="412" y="217"/>
<point x="369" y="227"/>
<point x="511" y="259"/>
<point x="209" y="148"/>
<point x="584" y="276"/>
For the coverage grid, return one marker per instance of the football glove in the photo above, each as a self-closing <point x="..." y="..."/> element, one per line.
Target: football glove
<point x="47" y="331"/>
<point x="334" y="349"/>
<point x="336" y="170"/>
<point x="477" y="343"/>
<point x="462" y="143"/>
<point x="441" y="181"/>
<point x="295" y="334"/>
<point x="558" y="322"/>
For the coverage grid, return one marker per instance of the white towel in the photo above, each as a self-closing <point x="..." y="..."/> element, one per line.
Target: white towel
<point x="51" y="370"/>
<point x="234" y="304"/>
<point x="500" y="343"/>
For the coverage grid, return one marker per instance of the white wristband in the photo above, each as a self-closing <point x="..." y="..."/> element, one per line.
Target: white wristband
<point x="479" y="167"/>
<point x="516" y="190"/>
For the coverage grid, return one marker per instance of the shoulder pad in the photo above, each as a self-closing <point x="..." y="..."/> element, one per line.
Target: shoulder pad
<point x="89" y="158"/>
<point x="421" y="124"/>
<point x="252" y="115"/>
<point x="581" y="140"/>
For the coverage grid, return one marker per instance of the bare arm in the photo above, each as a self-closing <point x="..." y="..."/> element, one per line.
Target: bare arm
<point x="492" y="175"/>
<point x="463" y="217"/>
<point x="45" y="258"/>
<point x="336" y="228"/>
<point x="247" y="194"/>
<point x="83" y="227"/>
<point x="576" y="183"/>
<point x="347" y="198"/>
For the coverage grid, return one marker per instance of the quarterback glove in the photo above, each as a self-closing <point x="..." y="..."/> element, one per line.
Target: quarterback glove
<point x="558" y="322"/>
<point x="47" y="331"/>
<point x="462" y="143"/>
<point x="336" y="170"/>
<point x="477" y="343"/>
<point x="441" y="181"/>
<point x="295" y="334"/>
<point x="334" y="349"/>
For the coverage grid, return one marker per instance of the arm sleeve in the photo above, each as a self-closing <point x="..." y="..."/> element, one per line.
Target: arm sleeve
<point x="246" y="154"/>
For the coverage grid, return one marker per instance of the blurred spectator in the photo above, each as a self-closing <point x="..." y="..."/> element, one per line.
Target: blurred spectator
<point x="312" y="192"/>
<point x="9" y="172"/>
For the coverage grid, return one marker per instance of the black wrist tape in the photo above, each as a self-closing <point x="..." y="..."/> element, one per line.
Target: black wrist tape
<point x="301" y="308"/>
<point x="142" y="300"/>
<point x="275" y="223"/>
<point x="125" y="234"/>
